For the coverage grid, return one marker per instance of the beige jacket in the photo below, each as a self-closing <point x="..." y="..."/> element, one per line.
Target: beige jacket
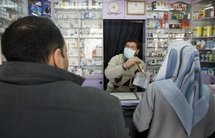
<point x="120" y="79"/>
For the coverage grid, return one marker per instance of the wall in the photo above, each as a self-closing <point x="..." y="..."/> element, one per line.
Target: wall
<point x="121" y="14"/>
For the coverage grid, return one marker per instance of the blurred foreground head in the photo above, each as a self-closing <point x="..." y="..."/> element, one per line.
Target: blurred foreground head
<point x="34" y="39"/>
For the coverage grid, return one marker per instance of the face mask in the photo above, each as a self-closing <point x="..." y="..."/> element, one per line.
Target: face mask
<point x="129" y="53"/>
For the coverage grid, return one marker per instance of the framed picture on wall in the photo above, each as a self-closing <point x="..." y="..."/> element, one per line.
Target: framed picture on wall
<point x="136" y="7"/>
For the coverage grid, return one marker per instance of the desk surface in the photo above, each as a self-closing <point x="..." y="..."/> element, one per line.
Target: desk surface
<point x="128" y="98"/>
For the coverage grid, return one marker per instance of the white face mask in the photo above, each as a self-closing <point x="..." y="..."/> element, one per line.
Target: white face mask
<point x="129" y="53"/>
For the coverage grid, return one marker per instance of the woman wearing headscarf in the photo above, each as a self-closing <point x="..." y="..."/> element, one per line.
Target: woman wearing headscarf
<point x="177" y="104"/>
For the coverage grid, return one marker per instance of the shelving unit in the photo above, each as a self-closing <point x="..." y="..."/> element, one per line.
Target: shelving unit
<point x="80" y="22"/>
<point x="203" y="27"/>
<point x="166" y="22"/>
<point x="157" y="36"/>
<point x="10" y="10"/>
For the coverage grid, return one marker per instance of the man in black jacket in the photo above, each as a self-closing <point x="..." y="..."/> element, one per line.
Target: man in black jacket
<point x="40" y="99"/>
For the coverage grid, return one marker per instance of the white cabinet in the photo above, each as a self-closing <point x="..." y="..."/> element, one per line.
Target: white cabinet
<point x="81" y="25"/>
<point x="10" y="10"/>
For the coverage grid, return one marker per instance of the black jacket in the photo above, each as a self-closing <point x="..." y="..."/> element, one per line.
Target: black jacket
<point x="41" y="101"/>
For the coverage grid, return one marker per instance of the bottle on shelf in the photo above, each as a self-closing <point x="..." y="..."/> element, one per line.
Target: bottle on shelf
<point x="81" y="25"/>
<point x="165" y="22"/>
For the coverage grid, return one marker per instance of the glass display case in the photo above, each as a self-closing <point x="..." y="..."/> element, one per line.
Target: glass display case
<point x="80" y="22"/>
<point x="81" y="25"/>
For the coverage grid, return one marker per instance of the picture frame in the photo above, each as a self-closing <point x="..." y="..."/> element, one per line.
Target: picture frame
<point x="136" y="7"/>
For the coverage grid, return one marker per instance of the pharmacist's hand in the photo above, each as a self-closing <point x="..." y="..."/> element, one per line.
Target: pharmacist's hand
<point x="131" y="62"/>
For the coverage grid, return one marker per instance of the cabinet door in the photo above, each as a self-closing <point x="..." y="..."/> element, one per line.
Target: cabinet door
<point x="91" y="42"/>
<point x="80" y="22"/>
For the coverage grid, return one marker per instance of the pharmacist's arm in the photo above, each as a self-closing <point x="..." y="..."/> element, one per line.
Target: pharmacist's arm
<point x="114" y="69"/>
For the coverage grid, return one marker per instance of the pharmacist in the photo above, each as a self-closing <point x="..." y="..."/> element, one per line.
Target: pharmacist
<point x="122" y="68"/>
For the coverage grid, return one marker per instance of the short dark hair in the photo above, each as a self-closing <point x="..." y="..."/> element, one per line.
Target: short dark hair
<point x="135" y="41"/>
<point x="31" y="39"/>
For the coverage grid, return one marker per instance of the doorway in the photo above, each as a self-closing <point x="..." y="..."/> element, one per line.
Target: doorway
<point x="115" y="34"/>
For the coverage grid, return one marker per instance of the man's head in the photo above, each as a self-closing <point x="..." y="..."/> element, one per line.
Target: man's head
<point x="132" y="48"/>
<point x="35" y="39"/>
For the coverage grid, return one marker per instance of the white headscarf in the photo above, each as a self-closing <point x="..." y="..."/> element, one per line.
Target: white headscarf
<point x="179" y="80"/>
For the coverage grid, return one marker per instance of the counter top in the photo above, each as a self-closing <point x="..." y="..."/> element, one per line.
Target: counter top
<point x="128" y="99"/>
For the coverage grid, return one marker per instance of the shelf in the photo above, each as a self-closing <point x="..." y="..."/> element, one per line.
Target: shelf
<point x="73" y="65"/>
<point x="175" y="19"/>
<point x="79" y="8"/>
<point x="211" y="62"/>
<point x="157" y="37"/>
<point x="83" y="28"/>
<point x="90" y="8"/>
<point x="157" y="47"/>
<point x="18" y="1"/>
<point x="73" y="47"/>
<point x="6" y="19"/>
<point x="154" y="19"/>
<point x="89" y="28"/>
<point x="97" y="57"/>
<point x="9" y="6"/>
<point x="155" y="56"/>
<point x="203" y="37"/>
<point x="179" y="38"/>
<point x="69" y="28"/>
<point x="69" y="56"/>
<point x="70" y="37"/>
<point x="91" y="66"/>
<point x="178" y="19"/>
<point x="179" y="28"/>
<point x="91" y="19"/>
<point x="178" y="11"/>
<point x="158" y="10"/>
<point x="93" y="57"/>
<point x="205" y="49"/>
<point x="157" y="28"/>
<point x="66" y="18"/>
<point x="91" y="37"/>
<point x="10" y="10"/>
<point x="205" y="18"/>
<point x="154" y="67"/>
